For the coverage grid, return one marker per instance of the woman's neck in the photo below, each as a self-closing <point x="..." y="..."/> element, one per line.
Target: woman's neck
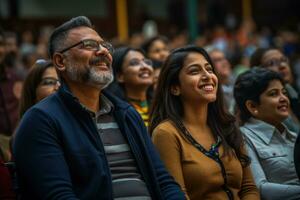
<point x="195" y="115"/>
<point x="137" y="94"/>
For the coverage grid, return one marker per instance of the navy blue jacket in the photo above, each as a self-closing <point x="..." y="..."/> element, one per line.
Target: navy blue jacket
<point x="59" y="154"/>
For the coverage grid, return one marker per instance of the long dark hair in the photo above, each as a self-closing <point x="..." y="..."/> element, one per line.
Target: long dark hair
<point x="168" y="106"/>
<point x="33" y="79"/>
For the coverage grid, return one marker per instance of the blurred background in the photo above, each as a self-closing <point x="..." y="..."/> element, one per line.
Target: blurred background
<point x="237" y="26"/>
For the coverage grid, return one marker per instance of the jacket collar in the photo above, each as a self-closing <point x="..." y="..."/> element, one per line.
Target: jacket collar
<point x="261" y="129"/>
<point x="71" y="100"/>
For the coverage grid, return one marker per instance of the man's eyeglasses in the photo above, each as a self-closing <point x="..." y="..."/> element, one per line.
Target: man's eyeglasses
<point x="276" y="62"/>
<point x="49" y="81"/>
<point x="137" y="62"/>
<point x="91" y="45"/>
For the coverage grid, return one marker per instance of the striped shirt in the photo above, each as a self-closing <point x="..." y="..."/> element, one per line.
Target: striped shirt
<point x="127" y="181"/>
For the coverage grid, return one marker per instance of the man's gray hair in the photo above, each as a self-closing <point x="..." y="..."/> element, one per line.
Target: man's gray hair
<point x="60" y="34"/>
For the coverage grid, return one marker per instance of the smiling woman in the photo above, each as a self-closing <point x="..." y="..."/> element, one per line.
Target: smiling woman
<point x="263" y="106"/>
<point x="133" y="79"/>
<point x="275" y="60"/>
<point x="196" y="137"/>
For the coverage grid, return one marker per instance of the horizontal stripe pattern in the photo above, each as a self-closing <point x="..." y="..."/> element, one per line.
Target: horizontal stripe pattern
<point x="142" y="108"/>
<point x="126" y="179"/>
<point x="108" y="125"/>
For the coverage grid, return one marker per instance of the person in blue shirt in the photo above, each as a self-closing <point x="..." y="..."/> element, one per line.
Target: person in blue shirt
<point x="263" y="106"/>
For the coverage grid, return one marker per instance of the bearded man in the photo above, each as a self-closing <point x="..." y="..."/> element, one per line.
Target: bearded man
<point x="83" y="143"/>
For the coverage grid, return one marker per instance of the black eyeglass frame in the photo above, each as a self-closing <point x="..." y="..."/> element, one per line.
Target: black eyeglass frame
<point x="103" y="44"/>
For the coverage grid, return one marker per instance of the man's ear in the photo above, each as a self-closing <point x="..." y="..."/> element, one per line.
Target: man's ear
<point x="175" y="90"/>
<point x="120" y="77"/>
<point x="58" y="61"/>
<point x="252" y="107"/>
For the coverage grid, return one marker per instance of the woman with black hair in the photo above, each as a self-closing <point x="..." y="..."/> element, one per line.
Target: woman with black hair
<point x="273" y="59"/>
<point x="196" y="137"/>
<point x="263" y="106"/>
<point x="133" y="74"/>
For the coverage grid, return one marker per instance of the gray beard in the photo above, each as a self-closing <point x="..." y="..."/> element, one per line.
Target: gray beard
<point x="89" y="75"/>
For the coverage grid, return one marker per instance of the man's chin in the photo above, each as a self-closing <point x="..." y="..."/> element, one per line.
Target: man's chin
<point x="99" y="85"/>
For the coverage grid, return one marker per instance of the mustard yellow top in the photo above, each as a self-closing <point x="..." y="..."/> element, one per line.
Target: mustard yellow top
<point x="199" y="176"/>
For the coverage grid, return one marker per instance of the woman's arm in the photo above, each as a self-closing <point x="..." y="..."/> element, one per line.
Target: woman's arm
<point x="168" y="147"/>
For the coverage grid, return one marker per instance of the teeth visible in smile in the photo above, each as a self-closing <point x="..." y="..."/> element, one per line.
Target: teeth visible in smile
<point x="145" y="75"/>
<point x="283" y="107"/>
<point x="208" y="87"/>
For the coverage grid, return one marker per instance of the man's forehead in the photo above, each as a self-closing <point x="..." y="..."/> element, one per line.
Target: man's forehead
<point x="81" y="33"/>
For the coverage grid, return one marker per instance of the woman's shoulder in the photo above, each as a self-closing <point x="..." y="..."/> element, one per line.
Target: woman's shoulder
<point x="166" y="133"/>
<point x="166" y="124"/>
<point x="166" y="127"/>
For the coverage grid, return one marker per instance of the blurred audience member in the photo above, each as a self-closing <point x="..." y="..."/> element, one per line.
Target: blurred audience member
<point x="28" y="59"/>
<point x="133" y="79"/>
<point x="135" y="41"/>
<point x="225" y="77"/>
<point x="274" y="59"/>
<point x="157" y="50"/>
<point x="11" y="49"/>
<point x="42" y="42"/>
<point x="178" y="40"/>
<point x="41" y="81"/>
<point x="27" y="42"/>
<point x="9" y="103"/>
<point x="263" y="105"/>
<point x="196" y="137"/>
<point x="13" y="58"/>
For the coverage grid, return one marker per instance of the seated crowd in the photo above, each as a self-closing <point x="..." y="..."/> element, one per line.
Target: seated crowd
<point x="96" y="122"/>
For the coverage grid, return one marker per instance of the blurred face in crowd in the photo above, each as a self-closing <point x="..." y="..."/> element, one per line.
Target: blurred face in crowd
<point x="89" y="61"/>
<point x="158" y="51"/>
<point x="11" y="44"/>
<point x="197" y="80"/>
<point x="136" y="71"/>
<point x="2" y="49"/>
<point x="273" y="107"/>
<point x="222" y="65"/>
<point x="48" y="85"/>
<point x="276" y="61"/>
<point x="11" y="50"/>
